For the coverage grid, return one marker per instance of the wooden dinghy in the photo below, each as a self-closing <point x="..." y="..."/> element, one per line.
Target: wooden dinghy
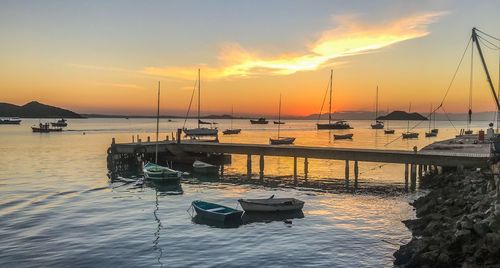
<point x="159" y="173"/>
<point x="271" y="204"/>
<point x="216" y="212"/>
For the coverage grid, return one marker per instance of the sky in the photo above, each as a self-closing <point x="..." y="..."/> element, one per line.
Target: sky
<point x="107" y="56"/>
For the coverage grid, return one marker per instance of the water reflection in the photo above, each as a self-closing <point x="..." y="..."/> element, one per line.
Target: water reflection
<point x="156" y="241"/>
<point x="267" y="217"/>
<point x="166" y="188"/>
<point x="217" y="224"/>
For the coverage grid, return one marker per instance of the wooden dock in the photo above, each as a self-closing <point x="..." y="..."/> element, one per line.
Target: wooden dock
<point x="449" y="153"/>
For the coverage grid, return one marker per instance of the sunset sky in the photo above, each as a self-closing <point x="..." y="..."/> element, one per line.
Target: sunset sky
<point x="108" y="56"/>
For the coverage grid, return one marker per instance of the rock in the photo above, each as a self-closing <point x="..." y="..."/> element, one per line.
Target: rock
<point x="443" y="260"/>
<point x="492" y="242"/>
<point x="480" y="229"/>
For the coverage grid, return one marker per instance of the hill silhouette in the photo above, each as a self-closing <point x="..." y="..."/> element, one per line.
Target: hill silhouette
<point x="402" y="115"/>
<point x="35" y="109"/>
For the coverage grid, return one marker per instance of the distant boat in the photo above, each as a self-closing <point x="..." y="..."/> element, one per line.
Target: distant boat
<point x="281" y="140"/>
<point x="388" y="130"/>
<point x="378" y="124"/>
<point x="200" y="131"/>
<point x="202" y="167"/>
<point x="153" y="171"/>
<point x="44" y="128"/>
<point x="408" y="134"/>
<point x="343" y="136"/>
<point x="216" y="212"/>
<point x="271" y="204"/>
<point x="337" y="125"/>
<point x="260" y="121"/>
<point x="278" y="122"/>
<point x="10" y="121"/>
<point x="231" y="131"/>
<point x="60" y="123"/>
<point x="430" y="133"/>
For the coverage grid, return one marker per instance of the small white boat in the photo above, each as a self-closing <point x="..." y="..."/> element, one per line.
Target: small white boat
<point x="202" y="167"/>
<point x="271" y="204"/>
<point x="10" y="121"/>
<point x="343" y="136"/>
<point x="159" y="173"/>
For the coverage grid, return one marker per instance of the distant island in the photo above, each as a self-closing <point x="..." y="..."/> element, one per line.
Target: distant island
<point x="35" y="109"/>
<point x="402" y="115"/>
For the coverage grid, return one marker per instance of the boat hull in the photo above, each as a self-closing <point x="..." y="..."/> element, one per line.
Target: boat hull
<point x="59" y="124"/>
<point x="410" y="135"/>
<point x="200" y="132"/>
<point x="389" y="131"/>
<point x="159" y="173"/>
<point x="10" y="122"/>
<point x="343" y="137"/>
<point x="430" y="134"/>
<point x="377" y="126"/>
<point x="333" y="126"/>
<point x="271" y="205"/>
<point x="278" y="123"/>
<point x="216" y="212"/>
<point x="259" y="122"/>
<point x="231" y="131"/>
<point x="282" y="141"/>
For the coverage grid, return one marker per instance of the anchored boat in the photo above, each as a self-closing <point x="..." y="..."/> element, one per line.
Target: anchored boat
<point x="231" y="131"/>
<point x="159" y="173"/>
<point x="216" y="212"/>
<point x="60" y="123"/>
<point x="10" y="121"/>
<point x="271" y="204"/>
<point x="343" y="136"/>
<point x="378" y="124"/>
<point x="281" y="140"/>
<point x="342" y="124"/>
<point x="260" y="121"/>
<point x="202" y="167"/>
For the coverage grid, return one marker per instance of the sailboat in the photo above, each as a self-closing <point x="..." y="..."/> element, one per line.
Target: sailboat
<point x="378" y="124"/>
<point x="408" y="134"/>
<point x="342" y="124"/>
<point x="431" y="133"/>
<point x="388" y="130"/>
<point x="153" y="171"/>
<point x="281" y="140"/>
<point x="200" y="131"/>
<point x="232" y="130"/>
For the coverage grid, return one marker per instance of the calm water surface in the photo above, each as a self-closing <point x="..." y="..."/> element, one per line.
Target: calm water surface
<point x="59" y="209"/>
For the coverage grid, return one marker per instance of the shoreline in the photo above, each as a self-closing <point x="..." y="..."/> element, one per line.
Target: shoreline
<point x="457" y="224"/>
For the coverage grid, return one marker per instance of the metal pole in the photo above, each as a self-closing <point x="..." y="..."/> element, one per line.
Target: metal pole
<point x="157" y="124"/>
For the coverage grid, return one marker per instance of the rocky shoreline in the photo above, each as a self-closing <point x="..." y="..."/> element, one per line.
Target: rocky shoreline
<point x="458" y="222"/>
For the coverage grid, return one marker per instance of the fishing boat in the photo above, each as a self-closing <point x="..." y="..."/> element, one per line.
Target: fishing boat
<point x="342" y="124"/>
<point x="200" y="131"/>
<point x="10" y="121"/>
<point x="231" y="131"/>
<point x="202" y="167"/>
<point x="216" y="212"/>
<point x="343" y="136"/>
<point x="153" y="171"/>
<point x="60" y="123"/>
<point x="378" y="124"/>
<point x="159" y="173"/>
<point x="281" y="140"/>
<point x="271" y="204"/>
<point x="260" y="121"/>
<point x="44" y="128"/>
<point x="430" y="133"/>
<point x="408" y="134"/>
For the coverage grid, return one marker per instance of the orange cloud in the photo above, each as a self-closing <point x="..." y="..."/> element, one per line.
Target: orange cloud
<point x="350" y="37"/>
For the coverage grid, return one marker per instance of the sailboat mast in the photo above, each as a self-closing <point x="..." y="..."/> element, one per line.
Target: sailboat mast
<point x="232" y="112"/>
<point x="330" y="107"/>
<point x="376" y="104"/>
<point x="430" y="119"/>
<point x="199" y="97"/>
<point x="157" y="124"/>
<point x="408" y="122"/>
<point x="279" y="117"/>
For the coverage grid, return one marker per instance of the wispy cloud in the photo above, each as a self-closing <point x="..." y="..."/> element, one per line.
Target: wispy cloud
<point x="350" y="37"/>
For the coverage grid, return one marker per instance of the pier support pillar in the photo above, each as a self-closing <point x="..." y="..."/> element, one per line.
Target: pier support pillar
<point x="347" y="174"/>
<point x="356" y="173"/>
<point x="249" y="166"/>
<point x="133" y="139"/>
<point x="179" y="132"/>
<point x="406" y="177"/>
<point x="306" y="168"/>
<point x="295" y="170"/>
<point x="222" y="170"/>
<point x="149" y="139"/>
<point x="261" y="166"/>
<point x="413" y="177"/>
<point x="420" y="172"/>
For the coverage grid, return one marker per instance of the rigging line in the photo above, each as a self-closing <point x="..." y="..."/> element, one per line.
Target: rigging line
<point x="371" y="169"/>
<point x="190" y="102"/>
<point x="469" y="119"/>
<point x="495" y="46"/>
<point x="455" y="74"/>
<point x="489" y="35"/>
<point x="323" y="103"/>
<point x="449" y="120"/>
